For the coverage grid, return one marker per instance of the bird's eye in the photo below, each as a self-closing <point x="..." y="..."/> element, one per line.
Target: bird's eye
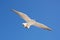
<point x="23" y="25"/>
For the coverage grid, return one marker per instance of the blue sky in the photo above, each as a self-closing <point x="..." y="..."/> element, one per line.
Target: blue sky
<point x="44" y="11"/>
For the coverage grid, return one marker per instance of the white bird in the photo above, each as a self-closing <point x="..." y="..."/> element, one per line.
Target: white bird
<point x="30" y="21"/>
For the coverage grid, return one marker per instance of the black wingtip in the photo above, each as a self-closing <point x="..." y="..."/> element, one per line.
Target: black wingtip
<point x="49" y="29"/>
<point x="14" y="10"/>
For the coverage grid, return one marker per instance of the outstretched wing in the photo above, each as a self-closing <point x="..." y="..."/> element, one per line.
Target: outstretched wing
<point x="42" y="26"/>
<point x="24" y="16"/>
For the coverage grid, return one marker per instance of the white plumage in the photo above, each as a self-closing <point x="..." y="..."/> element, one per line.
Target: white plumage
<point x="30" y="21"/>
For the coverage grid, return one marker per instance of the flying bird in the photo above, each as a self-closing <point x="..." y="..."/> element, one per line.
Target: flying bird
<point x="30" y="22"/>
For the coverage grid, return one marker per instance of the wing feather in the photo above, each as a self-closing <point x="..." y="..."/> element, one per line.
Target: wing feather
<point x="24" y="16"/>
<point x="42" y="26"/>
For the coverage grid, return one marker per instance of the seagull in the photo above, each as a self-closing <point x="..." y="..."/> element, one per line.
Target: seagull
<point x="30" y="22"/>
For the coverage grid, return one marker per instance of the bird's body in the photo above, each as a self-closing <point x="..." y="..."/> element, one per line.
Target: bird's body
<point x="30" y="21"/>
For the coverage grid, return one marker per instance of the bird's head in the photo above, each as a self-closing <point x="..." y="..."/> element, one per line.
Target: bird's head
<point x="24" y="24"/>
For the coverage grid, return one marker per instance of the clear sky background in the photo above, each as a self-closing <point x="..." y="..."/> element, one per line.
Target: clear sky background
<point x="43" y="11"/>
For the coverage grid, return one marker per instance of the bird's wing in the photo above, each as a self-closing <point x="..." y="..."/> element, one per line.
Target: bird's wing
<point x="24" y="16"/>
<point x="42" y="26"/>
